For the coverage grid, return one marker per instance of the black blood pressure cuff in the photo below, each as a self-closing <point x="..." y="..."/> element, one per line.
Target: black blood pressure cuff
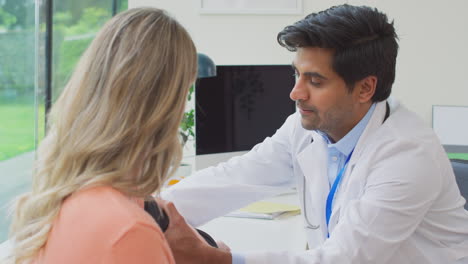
<point x="152" y="208"/>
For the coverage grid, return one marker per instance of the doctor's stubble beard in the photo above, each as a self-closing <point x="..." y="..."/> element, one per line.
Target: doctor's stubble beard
<point x="314" y="122"/>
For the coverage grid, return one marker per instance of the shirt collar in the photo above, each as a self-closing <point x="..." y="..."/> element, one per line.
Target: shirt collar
<point x="349" y="141"/>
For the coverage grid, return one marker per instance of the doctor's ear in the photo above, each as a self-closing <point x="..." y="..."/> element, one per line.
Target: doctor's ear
<point x="366" y="88"/>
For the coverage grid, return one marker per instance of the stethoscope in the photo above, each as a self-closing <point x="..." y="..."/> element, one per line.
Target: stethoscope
<point x="309" y="225"/>
<point x="330" y="197"/>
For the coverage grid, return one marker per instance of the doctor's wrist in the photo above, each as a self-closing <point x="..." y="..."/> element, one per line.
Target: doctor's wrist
<point x="218" y="256"/>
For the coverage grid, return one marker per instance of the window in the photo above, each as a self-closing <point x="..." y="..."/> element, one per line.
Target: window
<point x="24" y="83"/>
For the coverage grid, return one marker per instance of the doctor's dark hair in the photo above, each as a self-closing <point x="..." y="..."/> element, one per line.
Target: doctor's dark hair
<point x="363" y="40"/>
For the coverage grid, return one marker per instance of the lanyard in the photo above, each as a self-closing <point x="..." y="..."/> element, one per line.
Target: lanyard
<point x="332" y="192"/>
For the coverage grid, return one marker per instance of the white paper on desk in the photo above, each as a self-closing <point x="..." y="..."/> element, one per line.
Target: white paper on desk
<point x="266" y="210"/>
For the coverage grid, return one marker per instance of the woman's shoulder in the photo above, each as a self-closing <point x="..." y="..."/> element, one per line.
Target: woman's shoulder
<point x="105" y="207"/>
<point x="103" y="202"/>
<point x="101" y="222"/>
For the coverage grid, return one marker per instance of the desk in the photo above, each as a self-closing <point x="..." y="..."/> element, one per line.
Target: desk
<point x="5" y="249"/>
<point x="244" y="234"/>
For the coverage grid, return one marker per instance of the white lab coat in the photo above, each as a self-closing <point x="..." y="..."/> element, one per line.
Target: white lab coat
<point x="398" y="201"/>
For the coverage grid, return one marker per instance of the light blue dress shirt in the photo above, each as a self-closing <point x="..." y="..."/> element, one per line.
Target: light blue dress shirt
<point x="337" y="154"/>
<point x="237" y="258"/>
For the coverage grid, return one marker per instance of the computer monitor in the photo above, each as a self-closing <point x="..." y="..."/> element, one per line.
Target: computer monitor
<point x="241" y="106"/>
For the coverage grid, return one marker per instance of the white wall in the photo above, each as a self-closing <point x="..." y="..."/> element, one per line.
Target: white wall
<point x="432" y="62"/>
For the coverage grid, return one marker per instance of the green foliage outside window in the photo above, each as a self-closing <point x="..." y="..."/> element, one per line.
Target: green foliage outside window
<point x="6" y="19"/>
<point x="75" y="24"/>
<point x="71" y="40"/>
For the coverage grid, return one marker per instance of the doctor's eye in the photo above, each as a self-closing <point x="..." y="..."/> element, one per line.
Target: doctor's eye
<point x="317" y="82"/>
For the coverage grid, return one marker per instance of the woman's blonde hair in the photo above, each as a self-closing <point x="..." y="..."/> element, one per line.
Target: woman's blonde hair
<point x="115" y="123"/>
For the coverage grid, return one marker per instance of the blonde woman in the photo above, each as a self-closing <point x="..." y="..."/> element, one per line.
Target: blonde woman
<point x="112" y="141"/>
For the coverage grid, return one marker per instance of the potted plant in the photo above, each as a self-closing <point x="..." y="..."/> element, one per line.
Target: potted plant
<point x="187" y="125"/>
<point x="186" y="133"/>
<point x="206" y="69"/>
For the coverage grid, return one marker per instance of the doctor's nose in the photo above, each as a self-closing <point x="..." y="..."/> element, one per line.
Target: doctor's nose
<point x="299" y="91"/>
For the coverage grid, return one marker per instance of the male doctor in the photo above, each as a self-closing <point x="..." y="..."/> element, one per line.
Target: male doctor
<point x="374" y="182"/>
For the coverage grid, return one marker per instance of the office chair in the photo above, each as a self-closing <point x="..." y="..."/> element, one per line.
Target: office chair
<point x="460" y="167"/>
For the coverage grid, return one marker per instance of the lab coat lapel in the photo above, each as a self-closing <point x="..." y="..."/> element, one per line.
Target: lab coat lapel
<point x="313" y="163"/>
<point x="374" y="123"/>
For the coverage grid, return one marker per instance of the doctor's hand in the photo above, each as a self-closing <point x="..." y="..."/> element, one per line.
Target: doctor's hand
<point x="223" y="246"/>
<point x="186" y="244"/>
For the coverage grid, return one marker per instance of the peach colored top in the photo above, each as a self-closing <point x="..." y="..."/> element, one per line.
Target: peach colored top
<point x="101" y="225"/>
